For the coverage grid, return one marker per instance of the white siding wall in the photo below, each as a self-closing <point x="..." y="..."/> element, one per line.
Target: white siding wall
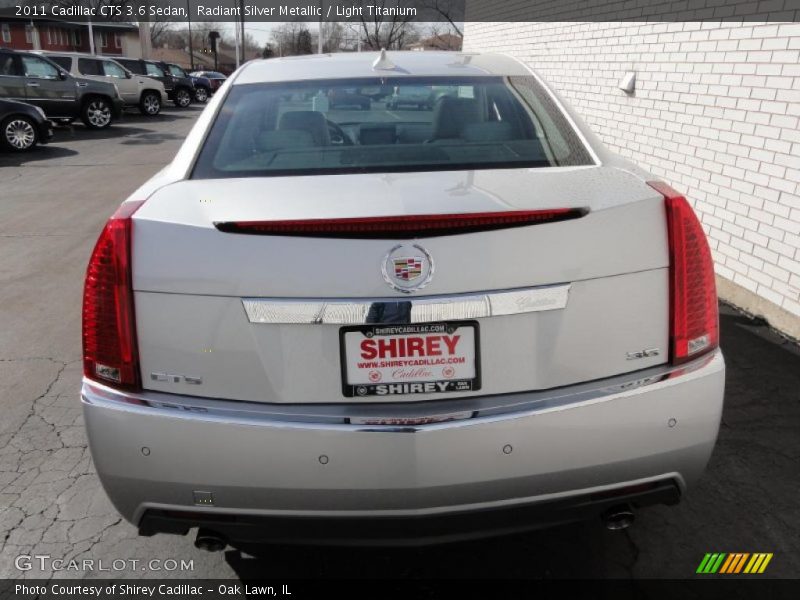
<point x="715" y="113"/>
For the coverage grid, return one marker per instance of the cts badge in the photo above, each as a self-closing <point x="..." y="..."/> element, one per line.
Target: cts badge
<point x="407" y="268"/>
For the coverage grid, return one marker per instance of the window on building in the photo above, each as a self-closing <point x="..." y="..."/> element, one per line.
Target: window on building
<point x="49" y="36"/>
<point x="28" y="34"/>
<point x="117" y="40"/>
<point x="76" y="38"/>
<point x="6" y="32"/>
<point x="104" y="40"/>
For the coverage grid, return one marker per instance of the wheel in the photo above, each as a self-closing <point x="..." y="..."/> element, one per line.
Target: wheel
<point x="19" y="133"/>
<point x="201" y="95"/>
<point x="96" y="113"/>
<point x="183" y="98"/>
<point x="150" y="104"/>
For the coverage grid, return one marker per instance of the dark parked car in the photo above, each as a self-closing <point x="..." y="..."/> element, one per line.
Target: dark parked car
<point x="34" y="79"/>
<point x="215" y="78"/>
<point x="23" y="126"/>
<point x="202" y="86"/>
<point x="350" y="97"/>
<point x="179" y="89"/>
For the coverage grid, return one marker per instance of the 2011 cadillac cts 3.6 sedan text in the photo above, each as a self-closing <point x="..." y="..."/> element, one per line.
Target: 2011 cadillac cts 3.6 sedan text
<point x="398" y="324"/>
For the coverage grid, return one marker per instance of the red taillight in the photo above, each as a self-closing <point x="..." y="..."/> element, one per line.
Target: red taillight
<point x="694" y="318"/>
<point x="405" y="226"/>
<point x="110" y="351"/>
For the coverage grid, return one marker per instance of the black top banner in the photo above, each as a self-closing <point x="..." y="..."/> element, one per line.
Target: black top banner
<point x="421" y="11"/>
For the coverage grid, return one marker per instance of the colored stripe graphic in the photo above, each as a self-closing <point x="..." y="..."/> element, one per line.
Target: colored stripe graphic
<point x="734" y="563"/>
<point x="765" y="563"/>
<point x="727" y="564"/>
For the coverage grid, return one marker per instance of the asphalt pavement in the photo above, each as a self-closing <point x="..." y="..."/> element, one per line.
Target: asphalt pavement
<point x="53" y="203"/>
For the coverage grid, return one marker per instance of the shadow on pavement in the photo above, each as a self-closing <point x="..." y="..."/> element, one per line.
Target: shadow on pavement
<point x="578" y="550"/>
<point x="40" y="153"/>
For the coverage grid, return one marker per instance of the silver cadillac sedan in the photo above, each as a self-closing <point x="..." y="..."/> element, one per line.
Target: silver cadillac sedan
<point x="398" y="324"/>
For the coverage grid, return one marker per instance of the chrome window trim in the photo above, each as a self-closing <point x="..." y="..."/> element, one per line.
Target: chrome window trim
<point x="279" y="311"/>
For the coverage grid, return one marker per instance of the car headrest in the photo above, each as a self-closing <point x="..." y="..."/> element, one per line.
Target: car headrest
<point x="269" y="141"/>
<point x="491" y="131"/>
<point x="307" y="120"/>
<point x="451" y="114"/>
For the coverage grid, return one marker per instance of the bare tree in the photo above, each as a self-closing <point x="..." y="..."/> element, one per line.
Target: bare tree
<point x="446" y="9"/>
<point x="442" y="36"/>
<point x="292" y="38"/>
<point x="395" y="32"/>
<point x="160" y="32"/>
<point x="333" y="36"/>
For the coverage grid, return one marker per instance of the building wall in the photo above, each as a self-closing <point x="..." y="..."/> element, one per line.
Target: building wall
<point x="72" y="38"/>
<point x="131" y="45"/>
<point x="716" y="113"/>
<point x="13" y="35"/>
<point x="53" y="37"/>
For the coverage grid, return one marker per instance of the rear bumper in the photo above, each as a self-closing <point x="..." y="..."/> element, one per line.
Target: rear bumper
<point x="544" y="460"/>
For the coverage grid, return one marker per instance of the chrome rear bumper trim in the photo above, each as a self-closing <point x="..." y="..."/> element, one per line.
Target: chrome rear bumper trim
<point x="417" y="310"/>
<point x="337" y="416"/>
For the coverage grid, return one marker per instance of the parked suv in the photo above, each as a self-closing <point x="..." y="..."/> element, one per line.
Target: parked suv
<point x="144" y="93"/>
<point x="202" y="85"/>
<point x="179" y="89"/>
<point x="32" y="78"/>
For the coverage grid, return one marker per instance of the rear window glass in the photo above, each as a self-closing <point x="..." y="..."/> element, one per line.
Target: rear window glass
<point x="385" y="125"/>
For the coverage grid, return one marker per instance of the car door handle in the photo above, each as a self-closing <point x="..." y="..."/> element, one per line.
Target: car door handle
<point x="33" y="84"/>
<point x="82" y="84"/>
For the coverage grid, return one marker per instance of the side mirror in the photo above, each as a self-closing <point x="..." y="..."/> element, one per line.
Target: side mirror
<point x="62" y="75"/>
<point x="128" y="75"/>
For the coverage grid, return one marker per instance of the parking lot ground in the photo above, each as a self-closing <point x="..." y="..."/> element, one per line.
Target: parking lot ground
<point x="53" y="204"/>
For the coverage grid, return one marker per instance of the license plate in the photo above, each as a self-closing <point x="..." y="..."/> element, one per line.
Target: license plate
<point x="392" y="360"/>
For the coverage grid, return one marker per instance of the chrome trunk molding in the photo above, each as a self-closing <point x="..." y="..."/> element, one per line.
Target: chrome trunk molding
<point x="277" y="311"/>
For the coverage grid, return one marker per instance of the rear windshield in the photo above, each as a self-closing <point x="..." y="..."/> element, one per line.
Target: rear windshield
<point x="386" y="125"/>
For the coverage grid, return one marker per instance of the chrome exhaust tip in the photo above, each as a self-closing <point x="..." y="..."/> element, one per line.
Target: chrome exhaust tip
<point x="618" y="518"/>
<point x="209" y="541"/>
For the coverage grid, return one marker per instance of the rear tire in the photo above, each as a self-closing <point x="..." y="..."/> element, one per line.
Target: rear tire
<point x="150" y="104"/>
<point x="19" y="133"/>
<point x="183" y="98"/>
<point x="96" y="113"/>
<point x="201" y="95"/>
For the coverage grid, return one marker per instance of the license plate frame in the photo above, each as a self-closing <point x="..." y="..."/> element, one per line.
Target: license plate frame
<point x="388" y="330"/>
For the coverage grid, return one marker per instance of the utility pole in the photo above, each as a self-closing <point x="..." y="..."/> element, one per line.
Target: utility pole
<point x="91" y="37"/>
<point x="236" y="42"/>
<point x="191" y="51"/>
<point x="241" y="12"/>
<point x="319" y="35"/>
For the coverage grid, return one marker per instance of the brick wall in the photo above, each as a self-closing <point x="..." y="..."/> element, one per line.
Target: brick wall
<point x="715" y="113"/>
<point x="13" y="35"/>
